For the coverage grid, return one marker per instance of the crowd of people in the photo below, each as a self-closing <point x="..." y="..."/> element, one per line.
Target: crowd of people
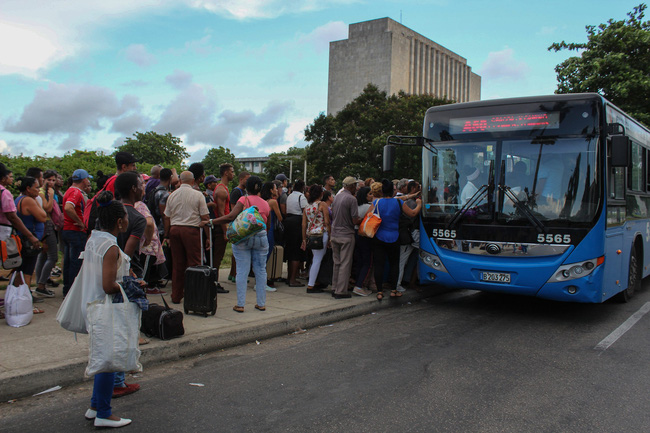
<point x="157" y="222"/>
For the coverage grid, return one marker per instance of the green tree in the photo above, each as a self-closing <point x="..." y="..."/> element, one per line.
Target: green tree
<point x="351" y="142"/>
<point x="217" y="156"/>
<point x="280" y="162"/>
<point x="92" y="161"/>
<point x="614" y="62"/>
<point x="153" y="148"/>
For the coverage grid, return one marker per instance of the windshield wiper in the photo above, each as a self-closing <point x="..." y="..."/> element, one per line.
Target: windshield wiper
<point x="523" y="208"/>
<point x="478" y="195"/>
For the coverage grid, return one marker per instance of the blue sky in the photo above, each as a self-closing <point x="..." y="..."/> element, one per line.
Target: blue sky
<point x="249" y="75"/>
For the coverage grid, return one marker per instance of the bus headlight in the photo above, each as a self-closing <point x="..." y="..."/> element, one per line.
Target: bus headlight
<point x="576" y="270"/>
<point x="432" y="261"/>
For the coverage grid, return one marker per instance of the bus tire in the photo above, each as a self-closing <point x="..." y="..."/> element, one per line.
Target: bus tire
<point x="633" y="279"/>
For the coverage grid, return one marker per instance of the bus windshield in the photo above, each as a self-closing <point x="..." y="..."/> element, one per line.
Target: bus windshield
<point x="549" y="180"/>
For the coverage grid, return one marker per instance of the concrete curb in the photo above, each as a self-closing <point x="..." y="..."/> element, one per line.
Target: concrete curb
<point x="71" y="372"/>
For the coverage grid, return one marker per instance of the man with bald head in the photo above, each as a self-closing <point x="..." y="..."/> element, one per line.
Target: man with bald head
<point x="185" y="210"/>
<point x="153" y="182"/>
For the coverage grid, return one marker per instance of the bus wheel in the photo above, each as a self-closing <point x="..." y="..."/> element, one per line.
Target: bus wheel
<point x="633" y="280"/>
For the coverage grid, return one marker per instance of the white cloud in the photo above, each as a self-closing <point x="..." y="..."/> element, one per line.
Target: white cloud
<point x="131" y="123"/>
<point x="179" y="79"/>
<point x="26" y="49"/>
<point x="321" y="37"/>
<point x="45" y="32"/>
<point x="259" y="9"/>
<point x="70" y="108"/>
<point x="138" y="54"/>
<point x="4" y="147"/>
<point x="502" y="65"/>
<point x="275" y="136"/>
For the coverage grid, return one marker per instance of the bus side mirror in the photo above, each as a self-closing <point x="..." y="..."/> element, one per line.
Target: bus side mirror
<point x="389" y="157"/>
<point x="620" y="145"/>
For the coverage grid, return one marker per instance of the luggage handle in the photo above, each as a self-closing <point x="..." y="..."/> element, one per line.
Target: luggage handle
<point x="211" y="246"/>
<point x="165" y="302"/>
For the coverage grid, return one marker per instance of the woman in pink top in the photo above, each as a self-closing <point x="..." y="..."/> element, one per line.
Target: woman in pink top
<point x="252" y="250"/>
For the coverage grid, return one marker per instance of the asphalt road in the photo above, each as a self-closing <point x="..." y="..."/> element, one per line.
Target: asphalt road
<point x="461" y="362"/>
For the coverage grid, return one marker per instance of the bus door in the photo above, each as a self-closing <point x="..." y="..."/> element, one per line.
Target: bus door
<point x="615" y="274"/>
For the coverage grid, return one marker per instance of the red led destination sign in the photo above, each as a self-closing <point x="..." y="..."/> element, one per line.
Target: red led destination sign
<point x="504" y="122"/>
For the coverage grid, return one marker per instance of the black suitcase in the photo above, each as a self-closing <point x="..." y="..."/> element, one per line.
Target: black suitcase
<point x="162" y="322"/>
<point x="200" y="295"/>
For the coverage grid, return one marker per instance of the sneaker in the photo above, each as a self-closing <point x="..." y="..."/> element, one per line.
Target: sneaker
<point x="52" y="283"/>
<point x="271" y="289"/>
<point x="361" y="292"/>
<point x="47" y="293"/>
<point x="55" y="273"/>
<point x="220" y="289"/>
<point x="401" y="289"/>
<point x="125" y="390"/>
<point x="155" y="291"/>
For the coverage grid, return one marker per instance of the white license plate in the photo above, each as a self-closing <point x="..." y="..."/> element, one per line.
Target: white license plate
<point x="495" y="277"/>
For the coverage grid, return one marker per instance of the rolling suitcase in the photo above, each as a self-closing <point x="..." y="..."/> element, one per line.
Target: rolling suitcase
<point x="201" y="287"/>
<point x="274" y="264"/>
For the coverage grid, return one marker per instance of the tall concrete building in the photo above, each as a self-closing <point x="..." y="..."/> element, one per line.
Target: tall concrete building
<point x="394" y="58"/>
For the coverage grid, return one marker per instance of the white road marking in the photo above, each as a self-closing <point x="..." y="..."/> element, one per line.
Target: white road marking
<point x="626" y="326"/>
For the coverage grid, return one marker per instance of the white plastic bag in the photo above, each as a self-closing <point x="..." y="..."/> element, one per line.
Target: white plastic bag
<point x="19" y="309"/>
<point x="114" y="332"/>
<point x="70" y="315"/>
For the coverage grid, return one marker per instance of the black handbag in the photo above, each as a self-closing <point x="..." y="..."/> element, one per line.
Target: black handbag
<point x="162" y="322"/>
<point x="315" y="242"/>
<point x="278" y="232"/>
<point x="28" y="249"/>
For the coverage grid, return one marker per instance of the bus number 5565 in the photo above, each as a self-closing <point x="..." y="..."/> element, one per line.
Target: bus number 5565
<point x="550" y="239"/>
<point x="442" y="233"/>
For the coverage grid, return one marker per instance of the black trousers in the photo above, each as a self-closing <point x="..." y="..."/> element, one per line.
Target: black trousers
<point x="380" y="252"/>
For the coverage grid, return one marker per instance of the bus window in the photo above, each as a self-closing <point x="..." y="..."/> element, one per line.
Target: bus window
<point x="636" y="170"/>
<point x="454" y="175"/>
<point x="618" y="183"/>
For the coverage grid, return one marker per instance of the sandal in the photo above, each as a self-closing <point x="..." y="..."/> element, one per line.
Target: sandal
<point x="380" y="296"/>
<point x="38" y="310"/>
<point x="395" y="294"/>
<point x="257" y="307"/>
<point x="238" y="309"/>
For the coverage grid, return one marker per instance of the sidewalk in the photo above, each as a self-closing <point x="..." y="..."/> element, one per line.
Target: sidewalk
<point x="42" y="355"/>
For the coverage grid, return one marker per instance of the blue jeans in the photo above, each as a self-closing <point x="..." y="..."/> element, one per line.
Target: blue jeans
<point x="47" y="260"/>
<point x="74" y="243"/>
<point x="252" y="250"/>
<point x="102" y="394"/>
<point x="119" y="380"/>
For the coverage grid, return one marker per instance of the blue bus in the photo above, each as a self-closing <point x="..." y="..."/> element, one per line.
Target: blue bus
<point x="540" y="196"/>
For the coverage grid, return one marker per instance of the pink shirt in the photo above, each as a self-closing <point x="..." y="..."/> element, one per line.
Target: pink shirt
<point x="262" y="205"/>
<point x="7" y="204"/>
